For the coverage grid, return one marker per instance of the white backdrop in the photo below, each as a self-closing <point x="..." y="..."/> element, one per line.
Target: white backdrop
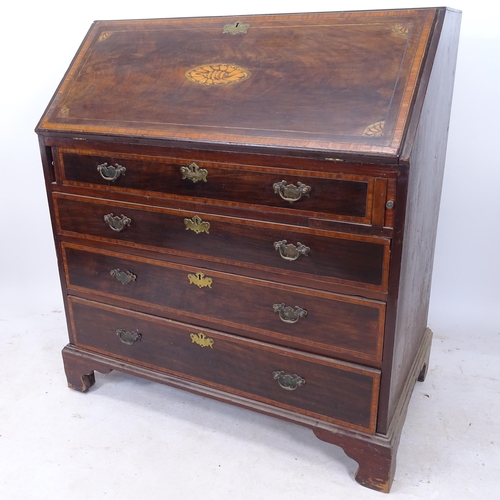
<point x="39" y="39"/>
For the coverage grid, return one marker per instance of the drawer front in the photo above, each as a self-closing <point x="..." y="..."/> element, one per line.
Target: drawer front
<point x="345" y="197"/>
<point x="336" y="257"/>
<point x="336" y="392"/>
<point x="330" y="323"/>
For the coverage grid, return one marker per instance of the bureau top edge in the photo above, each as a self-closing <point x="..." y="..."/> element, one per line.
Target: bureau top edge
<point x="337" y="84"/>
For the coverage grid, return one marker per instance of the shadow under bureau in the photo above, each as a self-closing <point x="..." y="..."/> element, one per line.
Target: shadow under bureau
<point x="246" y="208"/>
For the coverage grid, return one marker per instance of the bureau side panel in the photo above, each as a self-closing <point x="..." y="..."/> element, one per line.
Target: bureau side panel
<point x="425" y="156"/>
<point x="46" y="154"/>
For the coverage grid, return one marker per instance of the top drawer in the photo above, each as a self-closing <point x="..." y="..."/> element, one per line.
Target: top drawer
<point x="326" y="195"/>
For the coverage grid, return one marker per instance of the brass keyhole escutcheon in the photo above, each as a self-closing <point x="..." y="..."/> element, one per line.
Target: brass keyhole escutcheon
<point x="202" y="340"/>
<point x="197" y="225"/>
<point x="194" y="173"/>
<point x="200" y="280"/>
<point x="237" y="28"/>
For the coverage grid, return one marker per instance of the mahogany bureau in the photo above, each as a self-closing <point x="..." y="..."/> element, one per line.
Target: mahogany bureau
<point x="246" y="208"/>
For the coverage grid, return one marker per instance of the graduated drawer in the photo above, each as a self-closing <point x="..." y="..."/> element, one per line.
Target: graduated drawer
<point x="343" y="196"/>
<point x="316" y="386"/>
<point x="310" y="320"/>
<point x="337" y="257"/>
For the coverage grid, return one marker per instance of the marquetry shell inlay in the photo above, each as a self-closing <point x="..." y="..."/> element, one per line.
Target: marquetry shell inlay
<point x="217" y="74"/>
<point x="402" y="29"/>
<point x="374" y="130"/>
<point x="63" y="112"/>
<point x="104" y="35"/>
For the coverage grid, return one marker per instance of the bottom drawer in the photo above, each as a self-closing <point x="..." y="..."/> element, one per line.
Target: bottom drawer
<point x="333" y="391"/>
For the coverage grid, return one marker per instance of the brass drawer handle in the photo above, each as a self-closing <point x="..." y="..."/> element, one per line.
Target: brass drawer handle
<point x="290" y="251"/>
<point x="289" y="314"/>
<point x="197" y="225"/>
<point x="111" y="172"/>
<point x="128" y="337"/>
<point x="290" y="192"/>
<point x="124" y="277"/>
<point x="117" y="222"/>
<point x="202" y="340"/>
<point x="288" y="382"/>
<point x="194" y="173"/>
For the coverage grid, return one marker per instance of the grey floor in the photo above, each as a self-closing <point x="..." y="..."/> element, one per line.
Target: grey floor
<point x="129" y="438"/>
